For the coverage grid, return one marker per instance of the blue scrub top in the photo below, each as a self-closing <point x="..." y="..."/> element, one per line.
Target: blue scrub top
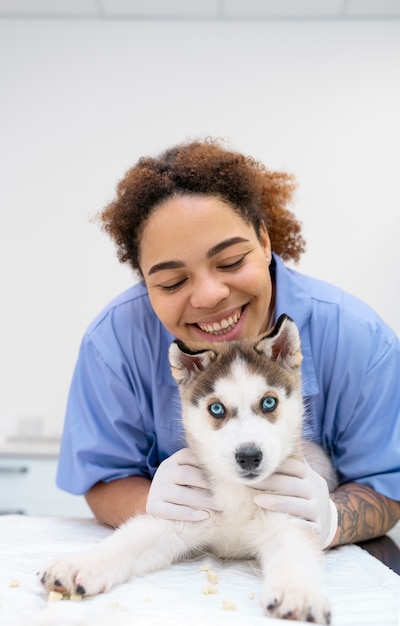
<point x="123" y="411"/>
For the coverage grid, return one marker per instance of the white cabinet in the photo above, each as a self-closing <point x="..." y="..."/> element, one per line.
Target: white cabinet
<point x="27" y="485"/>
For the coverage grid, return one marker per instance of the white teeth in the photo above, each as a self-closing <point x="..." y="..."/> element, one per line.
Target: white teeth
<point x="224" y="325"/>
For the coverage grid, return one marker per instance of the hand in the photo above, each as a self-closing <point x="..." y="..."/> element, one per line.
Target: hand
<point x="179" y="490"/>
<point x="298" y="490"/>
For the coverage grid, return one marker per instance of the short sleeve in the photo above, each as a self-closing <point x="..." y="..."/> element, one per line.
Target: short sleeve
<point x="361" y="405"/>
<point x="123" y="411"/>
<point x="104" y="436"/>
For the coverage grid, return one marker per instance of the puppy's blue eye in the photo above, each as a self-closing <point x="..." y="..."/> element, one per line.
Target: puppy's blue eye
<point x="216" y="409"/>
<point x="269" y="403"/>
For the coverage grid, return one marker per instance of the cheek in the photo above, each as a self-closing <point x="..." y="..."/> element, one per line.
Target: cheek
<point x="256" y="280"/>
<point x="168" y="309"/>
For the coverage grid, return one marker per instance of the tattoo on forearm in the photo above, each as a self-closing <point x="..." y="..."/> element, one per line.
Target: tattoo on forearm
<point x="362" y="513"/>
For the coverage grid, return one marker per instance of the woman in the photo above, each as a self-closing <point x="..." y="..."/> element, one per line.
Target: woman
<point x="207" y="229"/>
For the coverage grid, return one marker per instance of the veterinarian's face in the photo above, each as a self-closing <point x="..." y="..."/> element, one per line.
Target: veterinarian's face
<point x="206" y="270"/>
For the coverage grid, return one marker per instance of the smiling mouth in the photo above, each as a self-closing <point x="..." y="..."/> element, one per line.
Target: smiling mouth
<point x="224" y="325"/>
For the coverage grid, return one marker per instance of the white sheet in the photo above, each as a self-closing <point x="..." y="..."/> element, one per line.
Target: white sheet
<point x="361" y="589"/>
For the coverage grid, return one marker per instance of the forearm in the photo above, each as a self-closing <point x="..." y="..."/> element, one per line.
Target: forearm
<point x="362" y="513"/>
<point x="115" y="502"/>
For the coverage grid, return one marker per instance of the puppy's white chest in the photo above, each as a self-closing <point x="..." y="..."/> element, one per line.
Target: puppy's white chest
<point x="237" y="529"/>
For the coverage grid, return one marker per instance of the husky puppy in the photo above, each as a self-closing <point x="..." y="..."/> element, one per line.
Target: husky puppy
<point x="242" y="412"/>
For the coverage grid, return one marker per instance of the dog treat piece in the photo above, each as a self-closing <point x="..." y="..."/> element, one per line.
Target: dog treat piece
<point x="212" y="577"/>
<point x="54" y="596"/>
<point x="205" y="567"/>
<point x="228" y="605"/>
<point x="251" y="595"/>
<point x="209" y="590"/>
<point x="75" y="597"/>
<point x="14" y="582"/>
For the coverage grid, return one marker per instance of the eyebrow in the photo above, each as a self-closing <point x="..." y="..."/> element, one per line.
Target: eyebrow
<point x="172" y="265"/>
<point x="165" y="265"/>
<point x="224" y="244"/>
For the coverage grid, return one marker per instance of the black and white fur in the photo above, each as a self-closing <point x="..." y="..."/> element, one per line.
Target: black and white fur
<point x="242" y="412"/>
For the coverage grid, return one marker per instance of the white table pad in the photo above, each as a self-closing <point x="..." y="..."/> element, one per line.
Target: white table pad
<point x="361" y="589"/>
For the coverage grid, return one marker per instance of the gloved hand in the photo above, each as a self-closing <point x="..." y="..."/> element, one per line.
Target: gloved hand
<point x="179" y="490"/>
<point x="298" y="490"/>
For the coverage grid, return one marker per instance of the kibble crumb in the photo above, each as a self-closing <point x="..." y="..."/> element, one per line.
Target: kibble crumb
<point x="212" y="577"/>
<point x="75" y="597"/>
<point x="209" y="590"/>
<point x="54" y="596"/>
<point x="228" y="605"/>
<point x="205" y="567"/>
<point x="14" y="582"/>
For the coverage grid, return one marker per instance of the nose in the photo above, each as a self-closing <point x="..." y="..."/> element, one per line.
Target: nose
<point x="248" y="457"/>
<point x="208" y="291"/>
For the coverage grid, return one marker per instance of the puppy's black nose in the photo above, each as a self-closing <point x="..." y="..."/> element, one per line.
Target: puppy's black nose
<point x="248" y="457"/>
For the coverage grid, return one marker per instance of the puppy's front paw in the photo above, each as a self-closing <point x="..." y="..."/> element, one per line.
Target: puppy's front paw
<point x="297" y="604"/>
<point x="80" y="575"/>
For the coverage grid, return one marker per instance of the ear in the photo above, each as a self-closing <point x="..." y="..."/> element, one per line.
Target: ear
<point x="282" y="343"/>
<point x="264" y="239"/>
<point x="186" y="363"/>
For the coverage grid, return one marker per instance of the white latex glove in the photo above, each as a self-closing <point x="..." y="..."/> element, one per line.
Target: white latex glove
<point x="179" y="490"/>
<point x="298" y="490"/>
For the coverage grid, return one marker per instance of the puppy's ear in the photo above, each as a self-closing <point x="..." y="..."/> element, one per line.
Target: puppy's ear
<point x="186" y="363"/>
<point x="282" y="343"/>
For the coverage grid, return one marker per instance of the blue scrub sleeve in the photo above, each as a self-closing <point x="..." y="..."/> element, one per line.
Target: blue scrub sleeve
<point x="364" y="434"/>
<point x="104" y="434"/>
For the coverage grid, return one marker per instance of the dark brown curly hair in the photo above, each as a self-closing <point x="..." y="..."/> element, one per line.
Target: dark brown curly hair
<point x="203" y="168"/>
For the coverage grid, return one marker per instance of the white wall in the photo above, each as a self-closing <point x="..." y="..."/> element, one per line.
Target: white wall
<point x="81" y="101"/>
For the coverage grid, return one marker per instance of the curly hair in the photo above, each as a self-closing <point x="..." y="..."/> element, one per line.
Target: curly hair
<point x="203" y="168"/>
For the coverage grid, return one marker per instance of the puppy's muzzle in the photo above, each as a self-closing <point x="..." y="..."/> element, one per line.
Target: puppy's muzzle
<point x="248" y="457"/>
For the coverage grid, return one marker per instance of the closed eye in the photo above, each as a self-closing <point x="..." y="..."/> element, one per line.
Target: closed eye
<point x="234" y="264"/>
<point x="174" y="286"/>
